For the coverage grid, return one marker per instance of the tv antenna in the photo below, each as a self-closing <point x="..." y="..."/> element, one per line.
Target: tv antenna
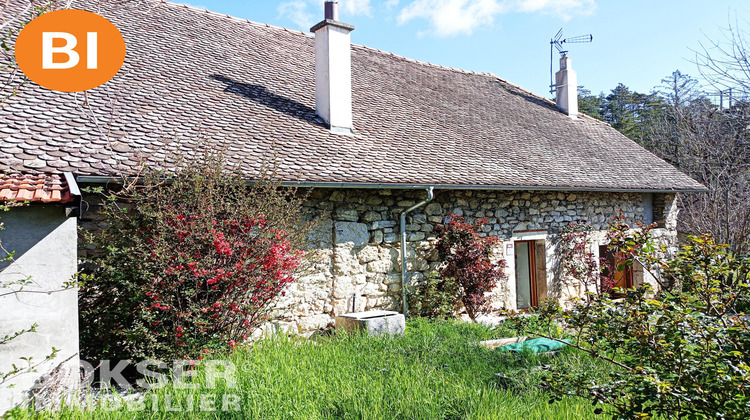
<point x="557" y="42"/>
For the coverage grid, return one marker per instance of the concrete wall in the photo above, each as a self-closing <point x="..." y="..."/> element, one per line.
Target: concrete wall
<point x="45" y="242"/>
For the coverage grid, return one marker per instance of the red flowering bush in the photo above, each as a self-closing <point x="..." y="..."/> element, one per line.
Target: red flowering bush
<point x="190" y="264"/>
<point x="466" y="257"/>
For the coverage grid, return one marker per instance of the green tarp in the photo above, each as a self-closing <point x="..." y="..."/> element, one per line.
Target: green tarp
<point x="537" y="345"/>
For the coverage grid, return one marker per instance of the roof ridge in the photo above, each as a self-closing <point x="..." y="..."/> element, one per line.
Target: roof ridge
<point x="378" y="50"/>
<point x="234" y="18"/>
<point x="309" y="35"/>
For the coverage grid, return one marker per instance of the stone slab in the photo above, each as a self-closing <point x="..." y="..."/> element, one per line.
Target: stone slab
<point x="373" y="322"/>
<point x="351" y="233"/>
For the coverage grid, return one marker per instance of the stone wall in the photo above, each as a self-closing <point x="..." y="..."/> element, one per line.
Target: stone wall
<point x="357" y="245"/>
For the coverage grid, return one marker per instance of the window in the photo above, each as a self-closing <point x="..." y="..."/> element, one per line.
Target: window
<point x="612" y="278"/>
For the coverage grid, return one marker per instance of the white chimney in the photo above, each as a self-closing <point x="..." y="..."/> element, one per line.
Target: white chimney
<point x="567" y="88"/>
<point x="333" y="70"/>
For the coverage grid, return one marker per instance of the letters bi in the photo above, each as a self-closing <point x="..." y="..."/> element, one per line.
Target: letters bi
<point x="70" y="50"/>
<point x="50" y="52"/>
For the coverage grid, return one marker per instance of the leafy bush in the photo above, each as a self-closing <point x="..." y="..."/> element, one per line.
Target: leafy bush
<point x="681" y="352"/>
<point x="466" y="258"/>
<point x="188" y="263"/>
<point x="435" y="297"/>
<point x="578" y="261"/>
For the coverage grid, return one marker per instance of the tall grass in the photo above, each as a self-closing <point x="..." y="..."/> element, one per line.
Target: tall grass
<point x="435" y="371"/>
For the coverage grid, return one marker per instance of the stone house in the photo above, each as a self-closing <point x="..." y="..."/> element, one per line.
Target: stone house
<point x="389" y="146"/>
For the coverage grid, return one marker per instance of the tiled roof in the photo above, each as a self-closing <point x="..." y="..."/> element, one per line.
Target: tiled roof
<point x="196" y="79"/>
<point x="43" y="188"/>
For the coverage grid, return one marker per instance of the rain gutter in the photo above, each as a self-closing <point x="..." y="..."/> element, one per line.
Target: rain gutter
<point x="106" y="179"/>
<point x="76" y="210"/>
<point x="404" y="274"/>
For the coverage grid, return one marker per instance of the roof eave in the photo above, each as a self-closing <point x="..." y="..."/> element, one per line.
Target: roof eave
<point x="93" y="179"/>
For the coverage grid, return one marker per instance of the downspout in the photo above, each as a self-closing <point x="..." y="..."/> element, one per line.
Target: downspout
<point x="429" y="198"/>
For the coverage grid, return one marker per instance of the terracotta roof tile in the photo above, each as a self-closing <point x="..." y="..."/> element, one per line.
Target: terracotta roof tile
<point x="192" y="75"/>
<point x="37" y="187"/>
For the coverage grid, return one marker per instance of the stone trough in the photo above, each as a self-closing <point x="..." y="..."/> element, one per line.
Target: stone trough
<point x="373" y="322"/>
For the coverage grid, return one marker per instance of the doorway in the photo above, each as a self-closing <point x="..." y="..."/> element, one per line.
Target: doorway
<point x="526" y="290"/>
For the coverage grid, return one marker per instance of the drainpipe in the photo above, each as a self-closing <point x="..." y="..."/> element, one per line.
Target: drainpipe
<point x="429" y="198"/>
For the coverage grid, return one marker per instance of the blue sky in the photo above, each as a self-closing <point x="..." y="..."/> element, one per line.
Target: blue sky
<point x="636" y="42"/>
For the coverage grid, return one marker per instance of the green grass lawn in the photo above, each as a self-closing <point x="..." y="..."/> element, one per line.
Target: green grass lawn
<point x="432" y="372"/>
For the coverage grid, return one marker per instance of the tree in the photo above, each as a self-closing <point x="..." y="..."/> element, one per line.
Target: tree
<point x="711" y="143"/>
<point x="680" y="92"/>
<point x="589" y="104"/>
<point x="631" y="113"/>
<point x="724" y="63"/>
<point x="189" y="263"/>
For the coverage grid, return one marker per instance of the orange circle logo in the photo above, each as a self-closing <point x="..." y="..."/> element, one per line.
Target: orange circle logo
<point x="70" y="50"/>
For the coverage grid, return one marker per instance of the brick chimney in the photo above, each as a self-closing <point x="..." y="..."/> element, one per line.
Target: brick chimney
<point x="333" y="70"/>
<point x="567" y="88"/>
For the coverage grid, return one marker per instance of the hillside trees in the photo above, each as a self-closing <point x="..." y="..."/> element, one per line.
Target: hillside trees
<point x="724" y="62"/>
<point x="632" y="112"/>
<point x="681" y="124"/>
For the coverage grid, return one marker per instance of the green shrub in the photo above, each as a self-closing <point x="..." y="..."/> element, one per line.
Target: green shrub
<point x="683" y="352"/>
<point x="435" y="297"/>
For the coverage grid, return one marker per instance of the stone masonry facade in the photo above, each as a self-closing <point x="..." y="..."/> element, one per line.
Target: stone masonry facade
<point x="356" y="243"/>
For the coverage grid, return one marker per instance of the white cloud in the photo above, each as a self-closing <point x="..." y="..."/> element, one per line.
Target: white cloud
<point x="452" y="17"/>
<point x="305" y="13"/>
<point x="355" y="7"/>
<point x="565" y="9"/>
<point x="444" y="17"/>
<point x="296" y="11"/>
<point x="457" y="17"/>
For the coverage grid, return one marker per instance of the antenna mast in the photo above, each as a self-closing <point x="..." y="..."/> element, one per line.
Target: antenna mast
<point x="557" y="42"/>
